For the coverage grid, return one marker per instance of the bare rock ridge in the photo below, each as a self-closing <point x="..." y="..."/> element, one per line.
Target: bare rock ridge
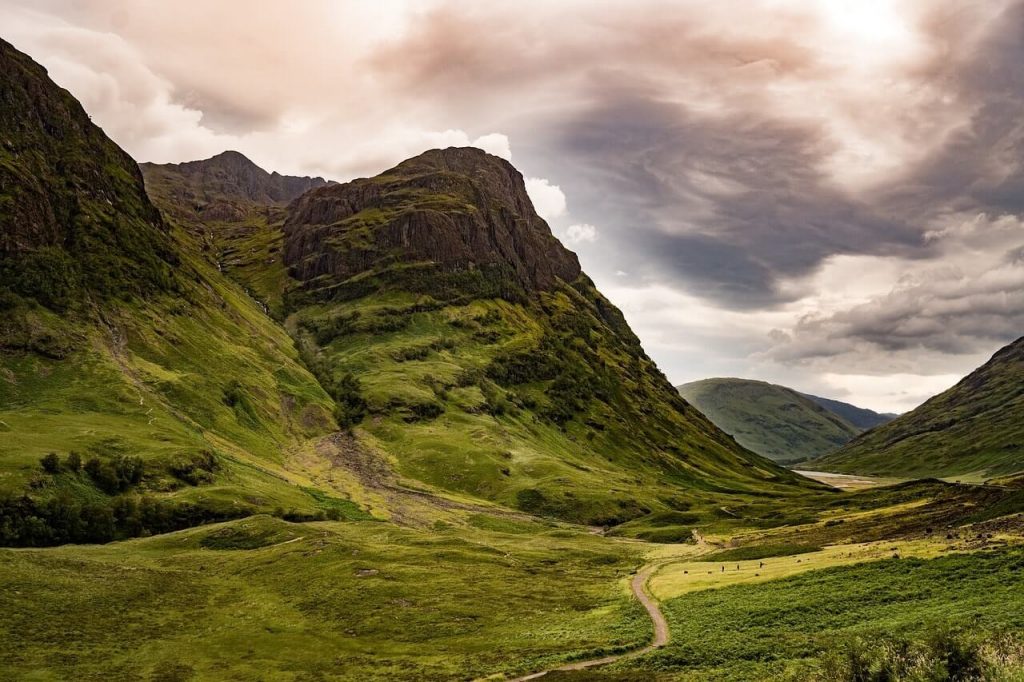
<point x="457" y="210"/>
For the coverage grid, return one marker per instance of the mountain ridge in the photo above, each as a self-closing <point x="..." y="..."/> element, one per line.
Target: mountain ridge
<point x="974" y="429"/>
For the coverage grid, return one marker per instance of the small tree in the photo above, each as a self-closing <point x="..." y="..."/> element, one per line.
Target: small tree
<point x="51" y="463"/>
<point x="73" y="462"/>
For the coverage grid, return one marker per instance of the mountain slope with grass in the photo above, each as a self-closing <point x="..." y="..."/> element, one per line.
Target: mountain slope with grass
<point x="140" y="390"/>
<point x="975" y="430"/>
<point x="771" y="420"/>
<point x="859" y="417"/>
<point x="455" y="331"/>
<point x="462" y="341"/>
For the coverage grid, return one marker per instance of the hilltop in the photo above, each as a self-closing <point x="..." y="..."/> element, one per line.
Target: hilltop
<point x="775" y="421"/>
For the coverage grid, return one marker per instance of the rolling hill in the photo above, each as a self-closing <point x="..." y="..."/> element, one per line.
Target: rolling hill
<point x="975" y="430"/>
<point x="858" y="417"/>
<point x="775" y="421"/>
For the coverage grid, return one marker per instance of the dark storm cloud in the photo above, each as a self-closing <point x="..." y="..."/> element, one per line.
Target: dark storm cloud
<point x="724" y="206"/>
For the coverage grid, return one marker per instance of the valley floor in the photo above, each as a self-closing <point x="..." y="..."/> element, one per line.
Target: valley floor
<point x="261" y="598"/>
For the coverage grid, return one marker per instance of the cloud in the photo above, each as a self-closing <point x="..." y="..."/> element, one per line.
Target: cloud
<point x="494" y="143"/>
<point x="847" y="174"/>
<point x="548" y="199"/>
<point x="580" y="232"/>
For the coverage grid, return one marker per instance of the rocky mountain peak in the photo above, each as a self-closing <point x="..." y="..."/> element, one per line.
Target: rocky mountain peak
<point x="457" y="210"/>
<point x="230" y="176"/>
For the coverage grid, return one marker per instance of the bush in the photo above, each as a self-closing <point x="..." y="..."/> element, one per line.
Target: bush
<point x="348" y="397"/>
<point x="73" y="462"/>
<point x="197" y="469"/>
<point x="943" y="655"/>
<point x="50" y="463"/>
<point x="116" y="475"/>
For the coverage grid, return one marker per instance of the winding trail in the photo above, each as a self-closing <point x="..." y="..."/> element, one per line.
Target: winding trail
<point x="661" y="635"/>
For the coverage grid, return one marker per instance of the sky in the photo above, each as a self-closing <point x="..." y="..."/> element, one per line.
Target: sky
<point x="826" y="194"/>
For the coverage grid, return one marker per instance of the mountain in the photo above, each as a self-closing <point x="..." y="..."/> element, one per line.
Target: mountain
<point x="140" y="390"/>
<point x="166" y="363"/>
<point x="771" y="420"/>
<point x="860" y="417"/>
<point x="76" y="219"/>
<point x="457" y="335"/>
<point x="234" y="209"/>
<point x="211" y="185"/>
<point x="974" y="430"/>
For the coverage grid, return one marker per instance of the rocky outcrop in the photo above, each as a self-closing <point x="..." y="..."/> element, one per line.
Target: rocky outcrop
<point x="458" y="209"/>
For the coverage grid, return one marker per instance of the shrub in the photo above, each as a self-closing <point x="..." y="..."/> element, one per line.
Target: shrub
<point x="73" y="462"/>
<point x="348" y="397"/>
<point x="117" y="475"/>
<point x="50" y="463"/>
<point x="196" y="469"/>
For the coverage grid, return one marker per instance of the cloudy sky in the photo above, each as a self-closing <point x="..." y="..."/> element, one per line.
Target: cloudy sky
<point x="827" y="194"/>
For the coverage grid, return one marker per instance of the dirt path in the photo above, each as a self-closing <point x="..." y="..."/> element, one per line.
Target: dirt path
<point x="661" y="635"/>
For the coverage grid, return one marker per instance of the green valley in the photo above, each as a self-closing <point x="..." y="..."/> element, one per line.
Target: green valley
<point x="266" y="427"/>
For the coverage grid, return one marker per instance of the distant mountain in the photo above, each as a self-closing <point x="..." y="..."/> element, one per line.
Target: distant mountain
<point x="975" y="429"/>
<point x="860" y="417"/>
<point x="775" y="421"/>
<point x="226" y="178"/>
<point x="235" y="210"/>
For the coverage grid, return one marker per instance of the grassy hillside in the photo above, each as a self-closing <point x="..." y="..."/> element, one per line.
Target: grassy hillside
<point x="861" y="418"/>
<point x="140" y="390"/>
<point x="771" y="420"/>
<point x="973" y="431"/>
<point x="886" y="619"/>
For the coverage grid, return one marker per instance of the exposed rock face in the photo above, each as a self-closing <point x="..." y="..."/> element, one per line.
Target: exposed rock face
<point x="74" y="214"/>
<point x="209" y="183"/>
<point x="458" y="208"/>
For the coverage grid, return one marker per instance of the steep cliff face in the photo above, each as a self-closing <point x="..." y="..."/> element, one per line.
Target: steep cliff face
<point x="453" y="210"/>
<point x="74" y="216"/>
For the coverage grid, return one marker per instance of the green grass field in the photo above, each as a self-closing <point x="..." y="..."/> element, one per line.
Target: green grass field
<point x="264" y="599"/>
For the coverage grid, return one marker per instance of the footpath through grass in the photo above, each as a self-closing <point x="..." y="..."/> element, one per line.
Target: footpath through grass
<point x="783" y="628"/>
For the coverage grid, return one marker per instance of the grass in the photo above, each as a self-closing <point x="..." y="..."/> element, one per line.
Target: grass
<point x="973" y="431"/>
<point x="782" y="628"/>
<point x="773" y="421"/>
<point x="264" y="598"/>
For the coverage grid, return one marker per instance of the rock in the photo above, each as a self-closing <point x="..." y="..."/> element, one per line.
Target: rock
<point x="457" y="209"/>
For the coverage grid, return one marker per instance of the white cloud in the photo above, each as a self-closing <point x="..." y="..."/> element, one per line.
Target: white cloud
<point x="494" y="143"/>
<point x="580" y="232"/>
<point x="548" y="199"/>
